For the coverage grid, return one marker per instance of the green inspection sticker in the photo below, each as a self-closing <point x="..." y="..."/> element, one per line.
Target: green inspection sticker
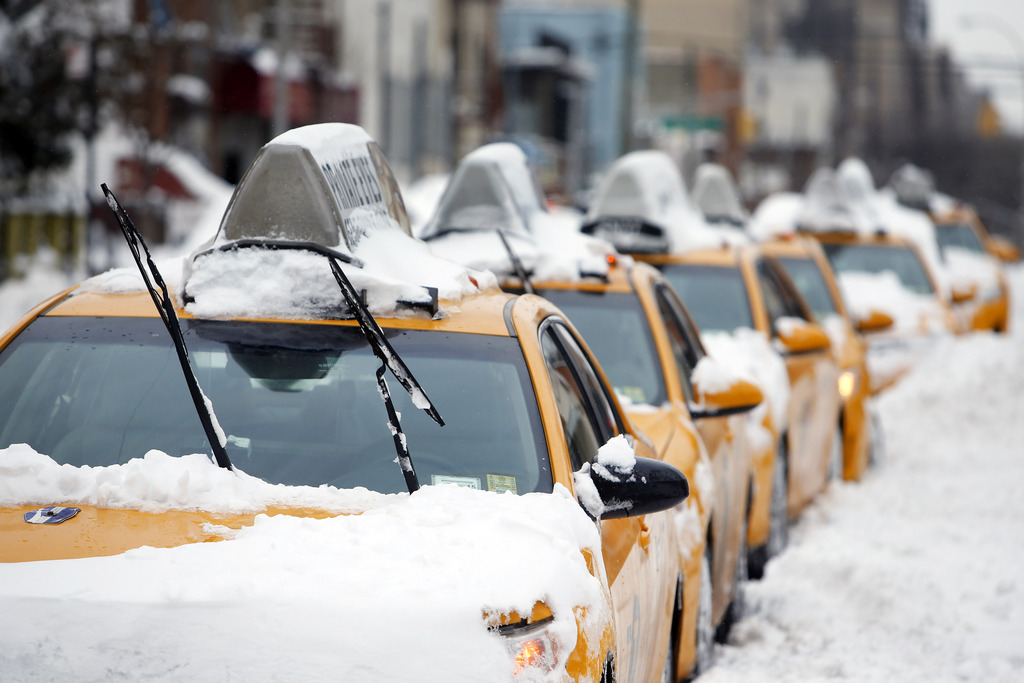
<point x="501" y="483"/>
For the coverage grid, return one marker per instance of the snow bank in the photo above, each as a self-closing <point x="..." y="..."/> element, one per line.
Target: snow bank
<point x="913" y="573"/>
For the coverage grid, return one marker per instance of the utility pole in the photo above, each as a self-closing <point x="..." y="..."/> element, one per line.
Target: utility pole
<point x="282" y="23"/>
<point x="628" y="67"/>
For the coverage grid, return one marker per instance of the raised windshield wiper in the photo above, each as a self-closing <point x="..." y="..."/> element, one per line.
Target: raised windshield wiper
<point x="164" y="305"/>
<point x="392" y="361"/>
<point x="517" y="265"/>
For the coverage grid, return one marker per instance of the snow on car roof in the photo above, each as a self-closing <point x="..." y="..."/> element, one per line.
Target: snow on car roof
<point x="646" y="185"/>
<point x="494" y="190"/>
<point x="716" y="194"/>
<point x="328" y="185"/>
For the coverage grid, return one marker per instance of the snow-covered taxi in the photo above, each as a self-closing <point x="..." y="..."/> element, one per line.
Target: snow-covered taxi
<point x="534" y="522"/>
<point x="740" y="299"/>
<point x="492" y="216"/>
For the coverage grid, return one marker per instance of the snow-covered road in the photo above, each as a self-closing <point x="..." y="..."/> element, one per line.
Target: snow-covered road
<point x="914" y="573"/>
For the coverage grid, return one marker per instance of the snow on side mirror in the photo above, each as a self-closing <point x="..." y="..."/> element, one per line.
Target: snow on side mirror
<point x="800" y="336"/>
<point x="719" y="391"/>
<point x="963" y="293"/>
<point x="874" y="321"/>
<point x="619" y="483"/>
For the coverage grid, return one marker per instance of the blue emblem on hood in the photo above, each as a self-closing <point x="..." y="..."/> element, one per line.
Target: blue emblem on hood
<point x="51" y="515"/>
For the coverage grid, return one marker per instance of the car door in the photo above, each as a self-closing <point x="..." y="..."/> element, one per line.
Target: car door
<point x="637" y="558"/>
<point x="723" y="438"/>
<point x="812" y="378"/>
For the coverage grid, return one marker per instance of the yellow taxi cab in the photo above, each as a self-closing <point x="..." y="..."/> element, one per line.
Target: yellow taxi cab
<point x="894" y="296"/>
<point x="646" y="343"/>
<point x="807" y="266"/>
<point x="729" y="286"/>
<point x="965" y="245"/>
<point x="741" y="287"/>
<point x="272" y="355"/>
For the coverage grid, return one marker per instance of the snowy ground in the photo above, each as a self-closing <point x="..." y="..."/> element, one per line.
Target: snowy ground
<point x="915" y="572"/>
<point x="911" y="574"/>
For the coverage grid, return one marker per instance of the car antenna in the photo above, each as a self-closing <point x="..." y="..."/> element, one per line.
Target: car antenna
<point x="517" y="265"/>
<point x="392" y="361"/>
<point x="164" y="305"/>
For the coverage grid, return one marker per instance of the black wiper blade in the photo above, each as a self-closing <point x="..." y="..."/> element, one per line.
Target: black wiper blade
<point x="165" y="307"/>
<point x="517" y="265"/>
<point x="392" y="361"/>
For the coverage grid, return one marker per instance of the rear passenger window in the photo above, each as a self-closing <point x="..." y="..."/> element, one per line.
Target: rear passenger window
<point x="780" y="296"/>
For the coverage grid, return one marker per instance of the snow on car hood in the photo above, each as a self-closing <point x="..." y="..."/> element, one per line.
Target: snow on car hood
<point x="751" y="357"/>
<point x="911" y="312"/>
<point x="291" y="597"/>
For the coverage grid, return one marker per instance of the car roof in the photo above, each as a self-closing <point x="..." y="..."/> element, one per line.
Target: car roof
<point x="480" y="313"/>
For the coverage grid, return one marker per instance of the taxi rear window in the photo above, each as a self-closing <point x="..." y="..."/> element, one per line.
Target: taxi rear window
<point x="901" y="260"/>
<point x="298" y="402"/>
<point x="617" y="331"/>
<point x="715" y="297"/>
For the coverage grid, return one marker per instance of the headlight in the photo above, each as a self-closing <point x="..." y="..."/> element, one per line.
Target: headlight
<point x="532" y="646"/>
<point x="847" y="383"/>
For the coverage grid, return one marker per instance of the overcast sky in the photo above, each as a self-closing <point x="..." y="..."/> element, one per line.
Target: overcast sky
<point x="991" y="51"/>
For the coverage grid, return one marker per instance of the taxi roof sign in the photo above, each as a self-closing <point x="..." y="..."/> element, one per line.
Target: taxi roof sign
<point x="328" y="184"/>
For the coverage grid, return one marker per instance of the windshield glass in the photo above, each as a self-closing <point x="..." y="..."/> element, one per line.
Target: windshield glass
<point x="807" y="277"/>
<point x="958" y="235"/>
<point x="716" y="297"/>
<point x="900" y="260"/>
<point x="298" y="402"/>
<point x="617" y="331"/>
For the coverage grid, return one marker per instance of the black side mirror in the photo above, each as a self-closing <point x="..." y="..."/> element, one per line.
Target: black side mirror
<point x="613" y="488"/>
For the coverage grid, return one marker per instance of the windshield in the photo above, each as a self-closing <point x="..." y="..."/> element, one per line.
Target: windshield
<point x="716" y="297"/>
<point x="617" y="331"/>
<point x="807" y="277"/>
<point x="900" y="260"/>
<point x="958" y="235"/>
<point x="298" y="402"/>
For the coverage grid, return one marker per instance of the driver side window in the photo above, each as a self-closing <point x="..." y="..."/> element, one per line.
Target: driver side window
<point x="588" y="420"/>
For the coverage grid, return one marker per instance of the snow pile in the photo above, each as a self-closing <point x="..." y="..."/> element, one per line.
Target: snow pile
<point x="159" y="482"/>
<point x="751" y="357"/>
<point x="913" y="573"/>
<point x="912" y="313"/>
<point x="614" y="461"/>
<point x="970" y="269"/>
<point x="776" y="215"/>
<point x="295" y="598"/>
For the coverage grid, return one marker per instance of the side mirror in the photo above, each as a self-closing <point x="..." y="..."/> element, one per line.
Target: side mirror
<point x="1002" y="249"/>
<point x="800" y="336"/>
<point x="874" y="321"/>
<point x="620" y="484"/>
<point x="718" y="393"/>
<point x="963" y="293"/>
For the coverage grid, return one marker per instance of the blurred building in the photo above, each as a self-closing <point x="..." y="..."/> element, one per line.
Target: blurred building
<point x="563" y="69"/>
